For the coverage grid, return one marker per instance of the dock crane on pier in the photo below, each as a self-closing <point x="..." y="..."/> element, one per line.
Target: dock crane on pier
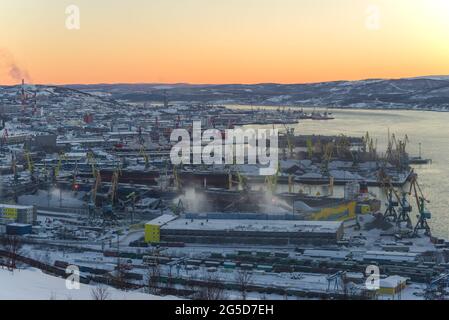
<point x="93" y="197"/>
<point x="326" y="158"/>
<point x="176" y="179"/>
<point x="424" y="213"/>
<point x="390" y="212"/>
<point x="145" y="156"/>
<point x="394" y="200"/>
<point x="57" y="169"/>
<point x="309" y="148"/>
<point x="272" y="181"/>
<point x="289" y="133"/>
<point x="91" y="160"/>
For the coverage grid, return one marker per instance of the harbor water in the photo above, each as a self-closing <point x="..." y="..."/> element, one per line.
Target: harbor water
<point x="431" y="129"/>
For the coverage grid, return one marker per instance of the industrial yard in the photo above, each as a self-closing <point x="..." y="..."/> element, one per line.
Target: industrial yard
<point x="95" y="189"/>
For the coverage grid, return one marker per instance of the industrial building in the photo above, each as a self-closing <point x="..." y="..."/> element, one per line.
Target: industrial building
<point x="257" y="232"/>
<point x="152" y="228"/>
<point x="10" y="213"/>
<point x="392" y="285"/>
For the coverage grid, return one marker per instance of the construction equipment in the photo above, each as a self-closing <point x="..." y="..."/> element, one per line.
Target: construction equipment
<point x="145" y="156"/>
<point x="29" y="160"/>
<point x="326" y="158"/>
<point x="114" y="185"/>
<point x="437" y="288"/>
<point x="309" y="147"/>
<point x="132" y="197"/>
<point x="405" y="210"/>
<point x="424" y="213"/>
<point x="95" y="188"/>
<point x="390" y="212"/>
<point x="423" y="216"/>
<point x="336" y="282"/>
<point x="289" y="134"/>
<point x="92" y="162"/>
<point x="176" y="178"/>
<point x="5" y="136"/>
<point x="59" y="164"/>
<point x="242" y="181"/>
<point x="290" y="183"/>
<point x="272" y="181"/>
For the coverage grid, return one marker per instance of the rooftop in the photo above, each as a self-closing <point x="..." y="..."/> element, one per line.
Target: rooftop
<point x="255" y="225"/>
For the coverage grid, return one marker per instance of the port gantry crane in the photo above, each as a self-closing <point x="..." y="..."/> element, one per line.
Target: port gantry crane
<point x="326" y="158"/>
<point x="421" y="200"/>
<point x="176" y="178"/>
<point x="403" y="214"/>
<point x="437" y="288"/>
<point x="310" y="147"/>
<point x="272" y="181"/>
<point x="394" y="200"/>
<point x="289" y="133"/>
<point x="94" y="191"/>
<point x="145" y="156"/>
<point x="91" y="160"/>
<point x="57" y="169"/>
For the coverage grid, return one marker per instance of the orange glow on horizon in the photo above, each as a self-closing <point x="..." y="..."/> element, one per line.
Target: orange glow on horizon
<point x="222" y="41"/>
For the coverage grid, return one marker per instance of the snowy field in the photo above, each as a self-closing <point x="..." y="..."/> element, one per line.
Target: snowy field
<point x="32" y="284"/>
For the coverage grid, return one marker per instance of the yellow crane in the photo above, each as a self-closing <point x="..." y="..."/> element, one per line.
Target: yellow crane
<point x="14" y="167"/>
<point x="96" y="185"/>
<point x="114" y="184"/>
<point x="327" y="156"/>
<point x="272" y="181"/>
<point x="91" y="160"/>
<point x="241" y="181"/>
<point x="289" y="134"/>
<point x="309" y="147"/>
<point x="145" y="156"/>
<point x="58" y="166"/>
<point x="176" y="178"/>
<point x="30" y="165"/>
<point x="290" y="183"/>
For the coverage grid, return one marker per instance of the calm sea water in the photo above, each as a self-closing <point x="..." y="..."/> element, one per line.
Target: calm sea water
<point x="431" y="129"/>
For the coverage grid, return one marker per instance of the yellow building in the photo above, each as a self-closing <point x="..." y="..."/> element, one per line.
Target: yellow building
<point x="152" y="233"/>
<point x="392" y="285"/>
<point x="342" y="212"/>
<point x="153" y="228"/>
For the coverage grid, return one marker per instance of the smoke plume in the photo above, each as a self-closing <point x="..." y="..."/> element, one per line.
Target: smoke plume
<point x="10" y="70"/>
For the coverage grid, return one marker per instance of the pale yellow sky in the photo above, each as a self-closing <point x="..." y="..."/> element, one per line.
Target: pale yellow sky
<point x="222" y="41"/>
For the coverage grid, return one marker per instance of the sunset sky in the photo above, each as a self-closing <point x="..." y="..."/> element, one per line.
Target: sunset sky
<point x="222" y="41"/>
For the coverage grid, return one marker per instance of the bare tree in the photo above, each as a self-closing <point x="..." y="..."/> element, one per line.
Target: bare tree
<point x="211" y="288"/>
<point x="170" y="280"/>
<point x="153" y="278"/>
<point x="100" y="292"/>
<point x="120" y="275"/>
<point x="12" y="246"/>
<point x="243" y="279"/>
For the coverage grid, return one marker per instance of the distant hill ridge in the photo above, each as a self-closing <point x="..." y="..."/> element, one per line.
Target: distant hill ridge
<point x="422" y="93"/>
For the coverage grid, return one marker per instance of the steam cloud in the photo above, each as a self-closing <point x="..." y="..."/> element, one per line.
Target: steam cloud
<point x="12" y="70"/>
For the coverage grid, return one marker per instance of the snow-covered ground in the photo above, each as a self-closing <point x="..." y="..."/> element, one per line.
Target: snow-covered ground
<point x="32" y="284"/>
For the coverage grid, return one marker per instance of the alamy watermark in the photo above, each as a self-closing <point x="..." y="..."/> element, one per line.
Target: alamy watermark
<point x="373" y="18"/>
<point x="239" y="146"/>
<point x="72" y="282"/>
<point x="73" y="20"/>
<point x="373" y="277"/>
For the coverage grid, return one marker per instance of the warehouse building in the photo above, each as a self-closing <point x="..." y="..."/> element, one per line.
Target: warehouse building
<point x="256" y="232"/>
<point x="10" y="213"/>
<point x="392" y="285"/>
<point x="152" y="228"/>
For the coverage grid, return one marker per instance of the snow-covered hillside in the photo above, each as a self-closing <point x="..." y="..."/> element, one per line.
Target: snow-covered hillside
<point x="32" y="284"/>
